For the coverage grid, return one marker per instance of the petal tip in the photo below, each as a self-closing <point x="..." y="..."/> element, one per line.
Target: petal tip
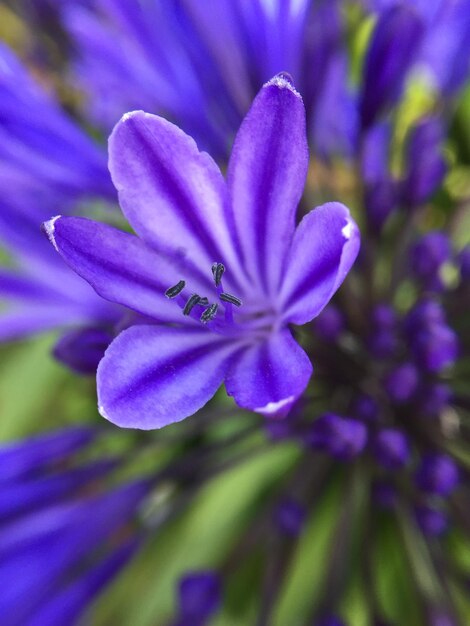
<point x="276" y="409"/>
<point x="103" y="413"/>
<point x="348" y="229"/>
<point x="283" y="80"/>
<point x="48" y="228"/>
<point x="127" y="117"/>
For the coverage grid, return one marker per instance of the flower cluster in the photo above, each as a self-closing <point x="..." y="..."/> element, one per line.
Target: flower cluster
<point x="267" y="268"/>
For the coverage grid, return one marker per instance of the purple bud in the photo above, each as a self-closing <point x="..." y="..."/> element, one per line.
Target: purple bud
<point x="440" y="618"/>
<point x="290" y="517"/>
<point x="432" y="521"/>
<point x="277" y="430"/>
<point x="200" y="596"/>
<point x="342" y="437"/>
<point x="82" y="349"/>
<point x="464" y="263"/>
<point x="330" y="323"/>
<point x="437" y="474"/>
<point x="436" y="348"/>
<point x="433" y="398"/>
<point x="381" y="198"/>
<point x="391" y="448"/>
<point x="428" y="255"/>
<point x="426" y="165"/>
<point x="382" y="343"/>
<point x="424" y="314"/>
<point x="402" y="383"/>
<point x="384" y="316"/>
<point x="329" y="620"/>
<point x="384" y="494"/>
<point x="25" y="457"/>
<point x="364" y="407"/>
<point x="392" y="50"/>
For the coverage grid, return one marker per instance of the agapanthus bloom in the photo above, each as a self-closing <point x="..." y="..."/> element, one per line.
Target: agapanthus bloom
<point x="218" y="268"/>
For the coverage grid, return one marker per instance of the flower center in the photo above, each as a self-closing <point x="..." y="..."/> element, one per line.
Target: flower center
<point x="191" y="306"/>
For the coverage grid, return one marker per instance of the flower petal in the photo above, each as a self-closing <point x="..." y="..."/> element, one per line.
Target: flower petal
<point x="152" y="376"/>
<point x="268" y="377"/>
<point x="119" y="266"/>
<point x="323" y="250"/>
<point x="266" y="177"/>
<point x="173" y="195"/>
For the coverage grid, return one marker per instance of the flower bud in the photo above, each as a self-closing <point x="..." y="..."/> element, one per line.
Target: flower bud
<point x="391" y="448"/>
<point x="330" y="323"/>
<point x="290" y="517"/>
<point x="342" y="437"/>
<point x="432" y="521"/>
<point x="392" y="50"/>
<point x="428" y="255"/>
<point x="402" y="383"/>
<point x="426" y="164"/>
<point x="437" y="475"/>
<point x="200" y="596"/>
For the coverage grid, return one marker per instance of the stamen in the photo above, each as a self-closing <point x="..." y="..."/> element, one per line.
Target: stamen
<point x="203" y="301"/>
<point x="209" y="313"/>
<point x="217" y="272"/>
<point x="192" y="301"/>
<point x="227" y="297"/>
<point x="172" y="292"/>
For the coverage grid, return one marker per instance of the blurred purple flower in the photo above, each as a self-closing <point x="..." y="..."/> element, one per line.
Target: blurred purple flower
<point x="200" y="596"/>
<point x="202" y="64"/>
<point x="437" y="474"/>
<point x="59" y="543"/>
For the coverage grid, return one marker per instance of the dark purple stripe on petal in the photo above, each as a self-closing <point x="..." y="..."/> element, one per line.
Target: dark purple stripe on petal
<point x="266" y="177"/>
<point x="119" y="266"/>
<point x="152" y="376"/>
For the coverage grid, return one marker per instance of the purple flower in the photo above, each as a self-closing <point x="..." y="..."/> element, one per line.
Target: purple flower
<point x="436" y="348"/>
<point x="200" y="596"/>
<point x="391" y="448"/>
<point x="342" y="437"/>
<point x="428" y="255"/>
<point x="329" y="620"/>
<point x="365" y="408"/>
<point x="433" y="522"/>
<point x="395" y="43"/>
<point x="83" y="349"/>
<point x="203" y="63"/>
<point x="330" y="324"/>
<point x="444" y="54"/>
<point x="426" y="164"/>
<point x="384" y="494"/>
<point x="290" y="517"/>
<point x="437" y="475"/>
<point x="225" y="252"/>
<point x="433" y="398"/>
<point x="402" y="383"/>
<point x="62" y="536"/>
<point x="40" y="146"/>
<point x="46" y="162"/>
<point x="464" y="263"/>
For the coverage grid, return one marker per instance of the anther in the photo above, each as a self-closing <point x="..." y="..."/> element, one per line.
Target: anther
<point x="192" y="301"/>
<point x="172" y="292"/>
<point x="209" y="313"/>
<point x="217" y="272"/>
<point x="203" y="301"/>
<point x="227" y="297"/>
